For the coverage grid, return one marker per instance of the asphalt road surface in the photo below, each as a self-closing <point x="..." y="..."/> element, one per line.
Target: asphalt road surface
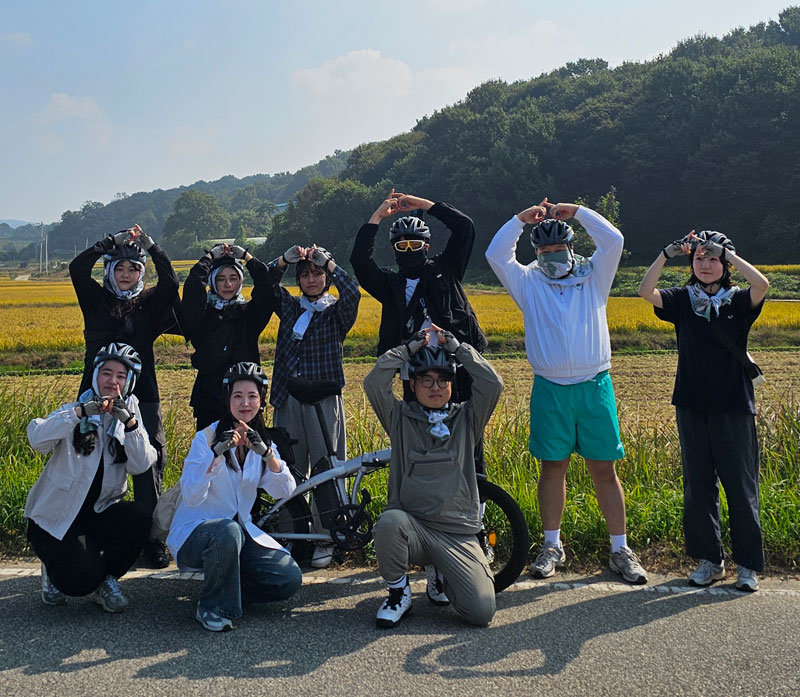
<point x="572" y="635"/>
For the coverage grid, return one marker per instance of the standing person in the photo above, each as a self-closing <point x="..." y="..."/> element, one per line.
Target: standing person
<point x="212" y="529"/>
<point x="123" y="310"/>
<point x="222" y="326"/>
<point x="309" y="345"/>
<point x="563" y="300"/>
<point x="432" y="513"/>
<point x="714" y="401"/>
<point x="86" y="536"/>
<point x="422" y="292"/>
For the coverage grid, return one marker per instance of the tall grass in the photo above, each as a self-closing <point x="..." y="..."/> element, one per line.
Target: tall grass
<point x="650" y="472"/>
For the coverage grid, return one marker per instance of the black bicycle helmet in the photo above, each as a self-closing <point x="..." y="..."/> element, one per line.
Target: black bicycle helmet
<point x="125" y="354"/>
<point x="246" y="371"/>
<point x="431" y="358"/>
<point x="227" y="260"/>
<point x="409" y="226"/>
<point x="128" y="251"/>
<point x="714" y="236"/>
<point x="551" y="232"/>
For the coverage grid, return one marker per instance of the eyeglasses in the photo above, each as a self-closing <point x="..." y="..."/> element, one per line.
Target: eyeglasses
<point x="409" y="245"/>
<point x="428" y="381"/>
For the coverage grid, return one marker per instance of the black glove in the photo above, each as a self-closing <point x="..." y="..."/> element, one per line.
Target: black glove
<point x="224" y="443"/>
<point x="236" y="251"/>
<point x="450" y="342"/>
<point x="120" y="411"/>
<point x="416" y="342"/>
<point x="320" y="257"/>
<point x="258" y="446"/>
<point x="93" y="407"/>
<point x="292" y="255"/>
<point x="217" y="251"/>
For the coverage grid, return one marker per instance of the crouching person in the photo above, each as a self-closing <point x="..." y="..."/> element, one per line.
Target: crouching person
<point x="433" y="511"/>
<point x="212" y="529"/>
<point x="86" y="536"/>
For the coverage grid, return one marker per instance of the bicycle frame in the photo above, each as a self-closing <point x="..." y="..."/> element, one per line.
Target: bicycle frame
<point x="340" y="471"/>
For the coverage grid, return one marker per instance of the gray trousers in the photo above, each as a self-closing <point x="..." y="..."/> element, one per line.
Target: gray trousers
<point x="719" y="447"/>
<point x="401" y="540"/>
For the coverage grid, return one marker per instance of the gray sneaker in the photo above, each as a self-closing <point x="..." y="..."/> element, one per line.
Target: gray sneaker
<point x="109" y="596"/>
<point x="212" y="621"/>
<point x="50" y="594"/>
<point x="549" y="558"/>
<point x="747" y="580"/>
<point x="627" y="564"/>
<point x="706" y="573"/>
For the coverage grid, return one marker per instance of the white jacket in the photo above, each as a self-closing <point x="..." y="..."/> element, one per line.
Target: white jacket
<point x="566" y="330"/>
<point x="223" y="492"/>
<point x="57" y="496"/>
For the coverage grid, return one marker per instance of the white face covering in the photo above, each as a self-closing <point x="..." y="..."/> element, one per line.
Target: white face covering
<point x="556" y="264"/>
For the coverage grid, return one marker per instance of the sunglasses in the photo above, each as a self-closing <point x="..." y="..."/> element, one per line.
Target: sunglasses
<point x="409" y="245"/>
<point x="427" y="381"/>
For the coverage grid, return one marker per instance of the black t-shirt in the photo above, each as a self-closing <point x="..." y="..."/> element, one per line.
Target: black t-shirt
<point x="709" y="376"/>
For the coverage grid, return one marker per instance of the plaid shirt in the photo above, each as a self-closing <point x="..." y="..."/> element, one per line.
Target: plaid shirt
<point x="318" y="355"/>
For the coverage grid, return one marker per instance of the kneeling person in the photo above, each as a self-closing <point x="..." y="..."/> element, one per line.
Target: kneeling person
<point x="433" y="511"/>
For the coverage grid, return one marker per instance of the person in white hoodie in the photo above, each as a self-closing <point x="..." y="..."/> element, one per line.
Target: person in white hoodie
<point x="563" y="299"/>
<point x="212" y="530"/>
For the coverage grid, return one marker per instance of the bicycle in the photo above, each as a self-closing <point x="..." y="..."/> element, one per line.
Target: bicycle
<point x="342" y="504"/>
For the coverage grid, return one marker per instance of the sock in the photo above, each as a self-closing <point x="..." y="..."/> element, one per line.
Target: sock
<point x="552" y="537"/>
<point x="399" y="583"/>
<point x="618" y="542"/>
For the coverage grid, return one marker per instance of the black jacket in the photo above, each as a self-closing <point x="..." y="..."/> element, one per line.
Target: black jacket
<point x="439" y="285"/>
<point x="137" y="322"/>
<point x="222" y="337"/>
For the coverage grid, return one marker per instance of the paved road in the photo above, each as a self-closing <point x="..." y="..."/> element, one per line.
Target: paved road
<point x="574" y="636"/>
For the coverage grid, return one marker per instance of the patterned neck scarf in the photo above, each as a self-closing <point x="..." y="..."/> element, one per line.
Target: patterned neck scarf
<point x="436" y="418"/>
<point x="703" y="303"/>
<point x="318" y="305"/>
<point x="214" y="299"/>
<point x="110" y="283"/>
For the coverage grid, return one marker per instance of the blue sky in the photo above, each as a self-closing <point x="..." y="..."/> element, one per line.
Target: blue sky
<point x="104" y="97"/>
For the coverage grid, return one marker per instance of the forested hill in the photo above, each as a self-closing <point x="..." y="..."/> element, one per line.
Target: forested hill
<point x="706" y="137"/>
<point x="247" y="202"/>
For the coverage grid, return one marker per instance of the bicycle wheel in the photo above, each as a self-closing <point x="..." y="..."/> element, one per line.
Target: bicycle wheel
<point x="504" y="537"/>
<point x="294" y="516"/>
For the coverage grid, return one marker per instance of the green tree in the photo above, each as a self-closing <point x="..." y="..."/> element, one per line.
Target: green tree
<point x="196" y="217"/>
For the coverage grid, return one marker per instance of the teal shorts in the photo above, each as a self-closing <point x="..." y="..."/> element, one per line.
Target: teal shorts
<point x="578" y="418"/>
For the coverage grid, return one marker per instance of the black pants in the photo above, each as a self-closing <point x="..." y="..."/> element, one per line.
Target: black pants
<point x="147" y="485"/>
<point x="95" y="546"/>
<point x="718" y="447"/>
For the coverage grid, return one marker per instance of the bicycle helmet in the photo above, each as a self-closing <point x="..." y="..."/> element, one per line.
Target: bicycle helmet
<point x="125" y="354"/>
<point x="409" y="226"/>
<point x="246" y="371"/>
<point x="431" y="358"/>
<point x="129" y="251"/>
<point x="551" y="232"/>
<point x="714" y="236"/>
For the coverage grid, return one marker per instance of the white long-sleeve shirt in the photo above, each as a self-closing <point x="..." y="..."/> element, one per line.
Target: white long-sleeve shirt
<point x="223" y="492"/>
<point x="566" y="330"/>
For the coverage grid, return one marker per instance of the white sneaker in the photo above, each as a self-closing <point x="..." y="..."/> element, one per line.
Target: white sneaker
<point x="550" y="558"/>
<point x="212" y="621"/>
<point x="109" y="596"/>
<point x="627" y="564"/>
<point x="706" y="573"/>
<point x="322" y="557"/>
<point x="747" y="580"/>
<point x="435" y="589"/>
<point x="395" y="607"/>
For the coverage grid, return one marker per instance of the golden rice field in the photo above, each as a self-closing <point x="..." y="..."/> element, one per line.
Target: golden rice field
<point x="45" y="315"/>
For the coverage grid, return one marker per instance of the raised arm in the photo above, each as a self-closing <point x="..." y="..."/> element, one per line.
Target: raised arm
<point x="368" y="273"/>
<point x="759" y="284"/>
<point x="195" y="297"/>
<point x="80" y="272"/>
<point x="378" y="387"/>
<point x="458" y="250"/>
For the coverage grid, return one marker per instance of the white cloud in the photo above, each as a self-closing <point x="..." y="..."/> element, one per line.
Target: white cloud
<point x="16" y="39"/>
<point x="63" y="106"/>
<point x="357" y="73"/>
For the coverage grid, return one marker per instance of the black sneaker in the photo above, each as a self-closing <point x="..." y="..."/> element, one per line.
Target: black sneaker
<point x="395" y="607"/>
<point x="156" y="554"/>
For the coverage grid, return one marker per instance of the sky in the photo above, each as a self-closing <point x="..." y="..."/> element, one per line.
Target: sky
<point x="100" y="97"/>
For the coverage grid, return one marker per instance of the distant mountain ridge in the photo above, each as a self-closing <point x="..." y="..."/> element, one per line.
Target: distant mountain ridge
<point x="14" y="223"/>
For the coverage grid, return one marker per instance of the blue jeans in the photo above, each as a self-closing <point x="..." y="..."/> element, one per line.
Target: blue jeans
<point x="236" y="568"/>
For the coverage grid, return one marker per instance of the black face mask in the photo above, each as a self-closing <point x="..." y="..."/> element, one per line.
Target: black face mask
<point x="410" y="263"/>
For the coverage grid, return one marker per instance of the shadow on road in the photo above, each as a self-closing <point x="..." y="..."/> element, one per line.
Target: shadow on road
<point x="323" y="621"/>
